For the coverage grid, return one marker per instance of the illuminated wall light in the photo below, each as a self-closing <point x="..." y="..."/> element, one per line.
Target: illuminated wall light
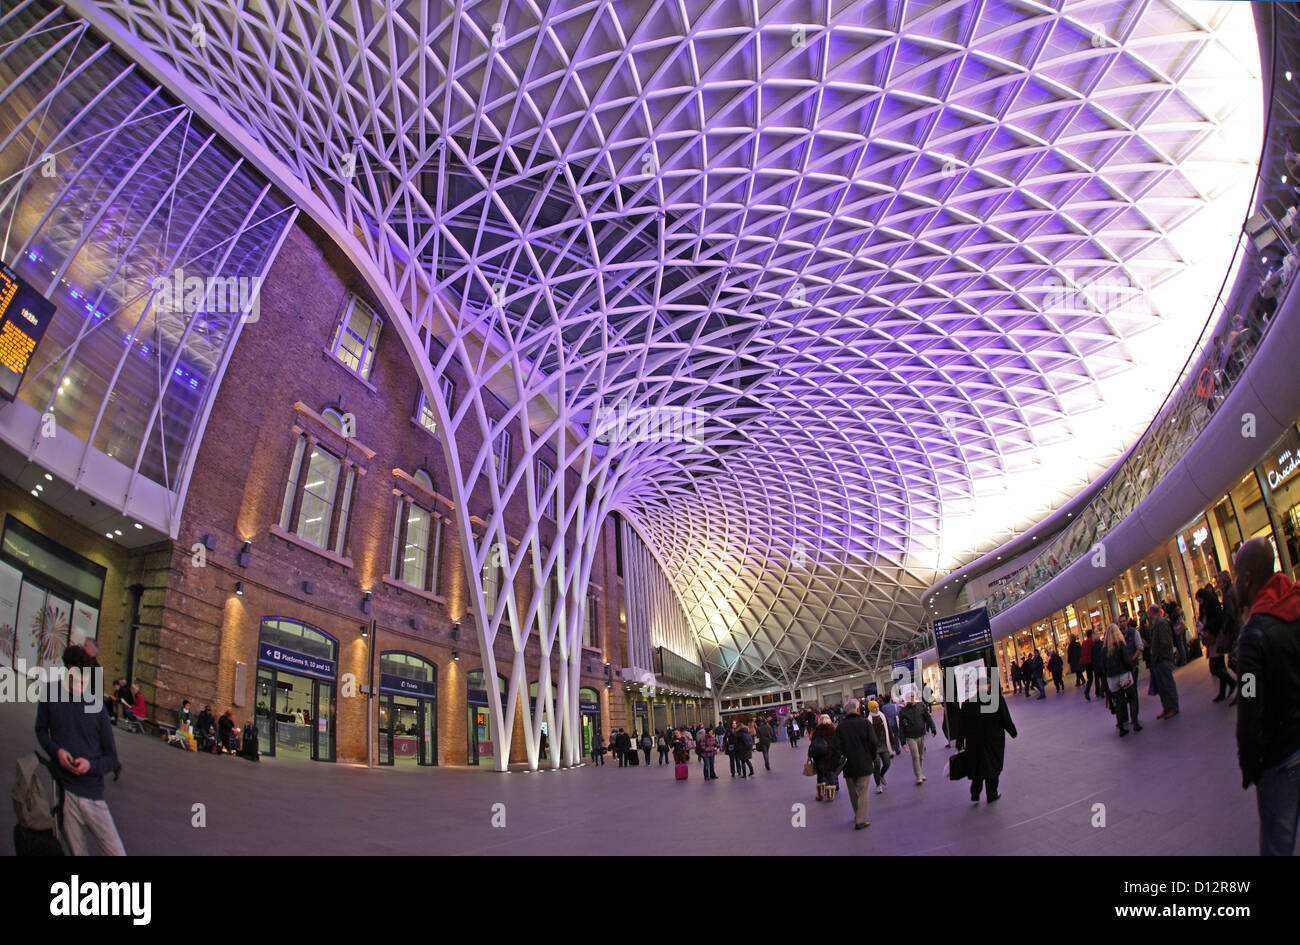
<point x="49" y="478"/>
<point x="138" y="525"/>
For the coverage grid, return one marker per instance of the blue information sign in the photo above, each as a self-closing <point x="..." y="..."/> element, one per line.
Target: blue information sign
<point x="414" y="687"/>
<point x="962" y="633"/>
<point x="296" y="662"/>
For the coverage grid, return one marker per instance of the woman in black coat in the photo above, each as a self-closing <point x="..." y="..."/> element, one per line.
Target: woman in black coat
<point x="982" y="736"/>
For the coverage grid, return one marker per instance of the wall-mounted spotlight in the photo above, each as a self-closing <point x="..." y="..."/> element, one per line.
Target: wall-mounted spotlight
<point x="242" y="556"/>
<point x="455" y="631"/>
<point x="365" y="631"/>
<point x="413" y="623"/>
<point x="365" y="603"/>
<point x="455" y="655"/>
<point x="239" y="588"/>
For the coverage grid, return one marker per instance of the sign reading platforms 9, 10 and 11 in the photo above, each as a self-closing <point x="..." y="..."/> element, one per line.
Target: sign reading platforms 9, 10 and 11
<point x="24" y="316"/>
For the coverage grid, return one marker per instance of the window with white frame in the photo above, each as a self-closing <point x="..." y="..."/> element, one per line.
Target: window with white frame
<point x="357" y="337"/>
<point x="320" y="488"/>
<point x="545" y="474"/>
<point x="416" y="558"/>
<point x="589" y="634"/>
<point x="501" y="456"/>
<point x="424" y="413"/>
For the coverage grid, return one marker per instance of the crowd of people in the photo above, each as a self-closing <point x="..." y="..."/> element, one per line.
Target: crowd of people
<point x="737" y="738"/>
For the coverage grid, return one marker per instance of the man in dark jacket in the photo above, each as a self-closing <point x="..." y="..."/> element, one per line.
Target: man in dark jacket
<point x="982" y="736"/>
<point x="78" y="738"/>
<point x="1162" y="661"/>
<point x="763" y="741"/>
<point x="1038" y="675"/>
<point x="1074" y="656"/>
<point x="1054" y="667"/>
<point x="855" y="740"/>
<point x="1268" y="715"/>
<point x="914" y="720"/>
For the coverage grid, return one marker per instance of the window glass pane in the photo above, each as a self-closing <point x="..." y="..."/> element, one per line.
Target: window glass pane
<point x="425" y="414"/>
<point x="357" y="336"/>
<point x="394" y="555"/>
<point x="318" y="498"/>
<point x="435" y="560"/>
<point x="415" y="554"/>
<point x="344" y="506"/>
<point x="501" y="455"/>
<point x="292" y="485"/>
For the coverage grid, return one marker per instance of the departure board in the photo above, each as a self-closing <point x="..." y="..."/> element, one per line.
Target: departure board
<point x="24" y="316"/>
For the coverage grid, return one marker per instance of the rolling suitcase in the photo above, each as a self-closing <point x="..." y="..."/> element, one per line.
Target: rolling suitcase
<point x="682" y="771"/>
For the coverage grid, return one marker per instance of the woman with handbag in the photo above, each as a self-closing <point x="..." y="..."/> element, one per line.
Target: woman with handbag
<point x="822" y="758"/>
<point x="1119" y="680"/>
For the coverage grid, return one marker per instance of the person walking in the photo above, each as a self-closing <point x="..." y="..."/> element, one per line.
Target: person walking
<point x="884" y="744"/>
<point x="1038" y="675"/>
<point x="81" y="750"/>
<point x="661" y="741"/>
<point x="729" y="746"/>
<point x="982" y="735"/>
<point x="914" y="720"/>
<point x="1085" y="663"/>
<point x="1268" y="714"/>
<point x="1134" y="643"/>
<point x="1100" y="668"/>
<point x="708" y="748"/>
<point x="1120" y="681"/>
<point x="1055" y="666"/>
<point x="1015" y="677"/>
<point x="1214" y="640"/>
<point x="646" y="744"/>
<point x="822" y="756"/>
<point x="889" y="709"/>
<point x="624" y="747"/>
<point x="744" y="750"/>
<point x="1162" y="661"/>
<point x="855" y="741"/>
<point x="597" y="748"/>
<point x="1233" y="616"/>
<point x="763" y="741"/>
<point x="1073" y="655"/>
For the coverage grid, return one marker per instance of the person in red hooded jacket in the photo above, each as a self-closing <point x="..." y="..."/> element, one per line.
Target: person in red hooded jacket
<point x="1268" y="714"/>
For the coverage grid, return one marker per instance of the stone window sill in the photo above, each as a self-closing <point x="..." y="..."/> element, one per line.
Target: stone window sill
<point x="293" y="539"/>
<point x="418" y="592"/>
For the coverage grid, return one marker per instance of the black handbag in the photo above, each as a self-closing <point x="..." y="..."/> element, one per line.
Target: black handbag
<point x="959" y="766"/>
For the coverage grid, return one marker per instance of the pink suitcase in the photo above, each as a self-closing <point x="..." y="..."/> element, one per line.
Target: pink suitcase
<point x="682" y="771"/>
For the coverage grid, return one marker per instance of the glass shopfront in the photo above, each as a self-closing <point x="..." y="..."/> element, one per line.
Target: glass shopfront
<point x="408" y="716"/>
<point x="49" y="597"/>
<point x="297" y="666"/>
<point x="1279" y="474"/>
<point x="589" y="713"/>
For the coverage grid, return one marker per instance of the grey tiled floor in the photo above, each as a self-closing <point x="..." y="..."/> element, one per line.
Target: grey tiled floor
<point x="1173" y="789"/>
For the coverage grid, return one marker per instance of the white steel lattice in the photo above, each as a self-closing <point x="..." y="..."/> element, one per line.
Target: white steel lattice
<point x="863" y="240"/>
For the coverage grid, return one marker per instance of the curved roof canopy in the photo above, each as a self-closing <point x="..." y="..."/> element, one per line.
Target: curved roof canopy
<point x="923" y="268"/>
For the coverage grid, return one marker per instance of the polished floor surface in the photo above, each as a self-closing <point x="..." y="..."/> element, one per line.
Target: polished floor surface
<point x="1173" y="789"/>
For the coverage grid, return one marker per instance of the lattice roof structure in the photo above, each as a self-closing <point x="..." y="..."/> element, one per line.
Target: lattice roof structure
<point x="915" y="272"/>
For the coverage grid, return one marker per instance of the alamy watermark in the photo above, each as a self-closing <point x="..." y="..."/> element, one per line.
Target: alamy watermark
<point x="1102" y="295"/>
<point x="213" y="295"/>
<point x="621" y="424"/>
<point x="20" y="683"/>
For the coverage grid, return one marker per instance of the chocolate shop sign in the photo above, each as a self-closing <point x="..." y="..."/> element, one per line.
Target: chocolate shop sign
<point x="1283" y="461"/>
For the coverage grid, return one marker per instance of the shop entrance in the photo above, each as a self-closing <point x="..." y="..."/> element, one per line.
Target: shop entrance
<point x="408" y="693"/>
<point x="295" y="715"/>
<point x="404" y="731"/>
<point x="295" y="707"/>
<point x="589" y="713"/>
<point x="478" y="729"/>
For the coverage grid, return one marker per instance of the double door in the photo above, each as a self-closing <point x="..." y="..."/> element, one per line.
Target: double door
<point x="406" y="730"/>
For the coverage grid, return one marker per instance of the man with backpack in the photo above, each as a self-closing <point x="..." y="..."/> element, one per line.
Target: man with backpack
<point x="855" y="740"/>
<point x="80" y="744"/>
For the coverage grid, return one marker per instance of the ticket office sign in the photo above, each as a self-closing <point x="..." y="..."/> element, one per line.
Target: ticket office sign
<point x="24" y="316"/>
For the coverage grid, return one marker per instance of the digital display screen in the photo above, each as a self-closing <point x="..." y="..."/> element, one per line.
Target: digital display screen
<point x="24" y="316"/>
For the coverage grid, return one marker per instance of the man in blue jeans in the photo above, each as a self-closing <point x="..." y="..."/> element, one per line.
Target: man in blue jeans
<point x="1268" y="713"/>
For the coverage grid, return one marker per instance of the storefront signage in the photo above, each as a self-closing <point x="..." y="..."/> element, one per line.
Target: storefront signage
<point x="476" y="696"/>
<point x="1199" y="536"/>
<point x="677" y="669"/>
<point x="589" y="708"/>
<point x="415" y="687"/>
<point x="1284" y="461"/>
<point x="293" y="661"/>
<point x="24" y="316"/>
<point x="962" y="633"/>
<point x="641" y="709"/>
